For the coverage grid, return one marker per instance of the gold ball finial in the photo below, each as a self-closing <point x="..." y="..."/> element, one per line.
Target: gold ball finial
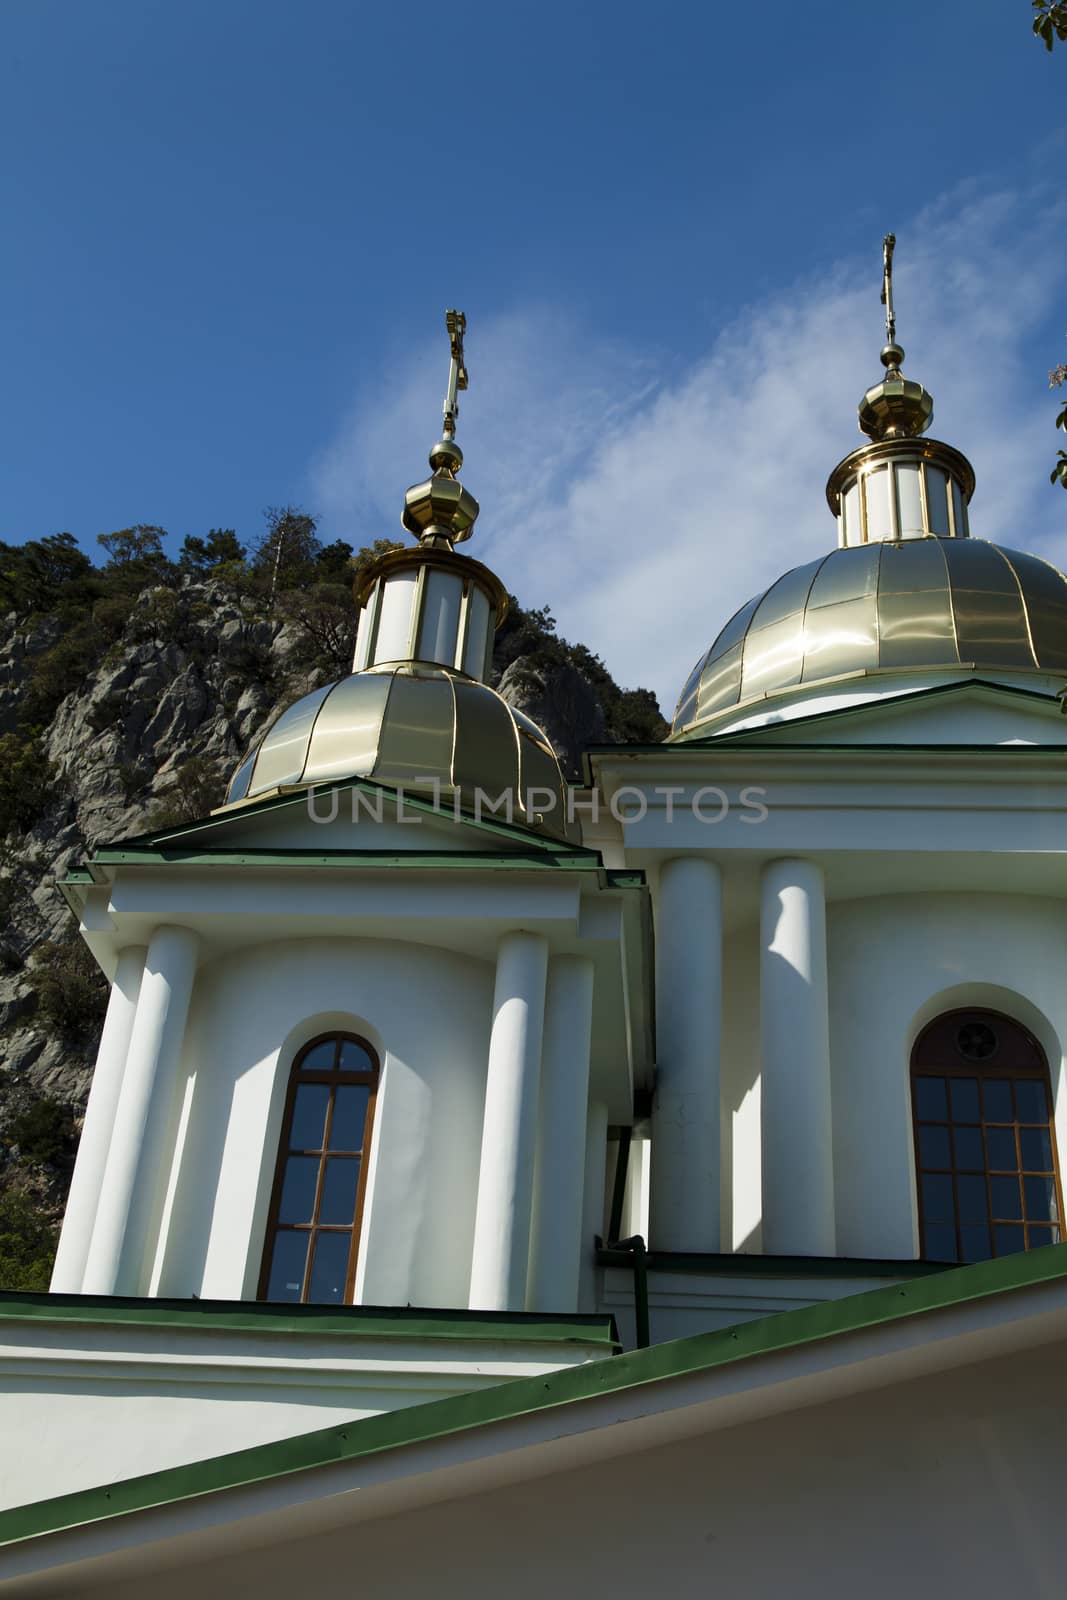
<point x="441" y="512"/>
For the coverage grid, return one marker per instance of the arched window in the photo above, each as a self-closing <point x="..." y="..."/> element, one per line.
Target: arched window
<point x="985" y="1144"/>
<point x="317" y="1202"/>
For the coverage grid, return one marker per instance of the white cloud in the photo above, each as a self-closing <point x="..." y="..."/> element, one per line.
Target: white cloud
<point x="644" y="507"/>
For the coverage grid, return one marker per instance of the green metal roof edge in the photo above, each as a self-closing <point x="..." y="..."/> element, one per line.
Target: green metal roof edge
<point x="299" y="797"/>
<point x="931" y="691"/>
<point x="747" y="736"/>
<point x="439" y="1419"/>
<point x="165" y="855"/>
<point x="364" y="1322"/>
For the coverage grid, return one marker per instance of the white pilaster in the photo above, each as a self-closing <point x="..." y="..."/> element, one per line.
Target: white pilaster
<point x="509" y="1131"/>
<point x="132" y="1171"/>
<point x="95" y="1138"/>
<point x="559" y="1175"/>
<point x="684" y="1207"/>
<point x="798" y="1181"/>
<point x="593" y="1198"/>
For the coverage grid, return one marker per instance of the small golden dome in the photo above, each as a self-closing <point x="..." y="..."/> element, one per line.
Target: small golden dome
<point x="429" y="730"/>
<point x="410" y="715"/>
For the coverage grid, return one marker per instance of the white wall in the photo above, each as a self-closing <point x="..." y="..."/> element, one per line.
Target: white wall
<point x="896" y="962"/>
<point x="93" y="1403"/>
<point x="681" y="1304"/>
<point x="428" y="1012"/>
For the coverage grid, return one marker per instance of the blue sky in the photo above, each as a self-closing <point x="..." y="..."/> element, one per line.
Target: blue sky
<point x="232" y="229"/>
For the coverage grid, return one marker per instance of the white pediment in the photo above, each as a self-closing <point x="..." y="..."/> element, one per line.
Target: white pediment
<point x="355" y="817"/>
<point x="973" y="713"/>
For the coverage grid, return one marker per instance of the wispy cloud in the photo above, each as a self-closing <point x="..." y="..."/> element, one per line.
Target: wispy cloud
<point x="645" y="505"/>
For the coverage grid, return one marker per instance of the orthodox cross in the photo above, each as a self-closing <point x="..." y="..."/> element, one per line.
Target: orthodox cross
<point x="888" y="246"/>
<point x="456" y="324"/>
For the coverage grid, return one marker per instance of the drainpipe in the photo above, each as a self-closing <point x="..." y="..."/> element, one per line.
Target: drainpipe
<point x="638" y="1250"/>
<point x="618" y="1193"/>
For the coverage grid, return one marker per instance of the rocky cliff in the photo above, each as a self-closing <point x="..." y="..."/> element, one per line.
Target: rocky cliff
<point x="125" y="704"/>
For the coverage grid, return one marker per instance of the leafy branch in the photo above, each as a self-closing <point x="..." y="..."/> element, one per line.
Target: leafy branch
<point x="1056" y="378"/>
<point x="1050" y="21"/>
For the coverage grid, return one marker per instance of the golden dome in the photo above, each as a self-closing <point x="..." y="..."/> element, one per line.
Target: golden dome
<point x="425" y="728"/>
<point x="892" y="606"/>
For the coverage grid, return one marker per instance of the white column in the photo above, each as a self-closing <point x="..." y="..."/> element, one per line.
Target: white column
<point x="593" y="1198"/>
<point x="798" y="1178"/>
<point x="684" y="1206"/>
<point x="132" y="1172"/>
<point x="559" y="1173"/>
<point x="509" y="1131"/>
<point x="95" y="1138"/>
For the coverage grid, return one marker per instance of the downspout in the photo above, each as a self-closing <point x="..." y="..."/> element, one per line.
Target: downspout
<point x="637" y="1249"/>
<point x="618" y="1193"/>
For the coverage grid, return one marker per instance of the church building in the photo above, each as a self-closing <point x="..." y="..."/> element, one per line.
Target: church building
<point x="496" y="1185"/>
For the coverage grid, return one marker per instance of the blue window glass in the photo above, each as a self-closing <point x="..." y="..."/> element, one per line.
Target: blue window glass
<point x="288" y="1260"/>
<point x="329" y="1268"/>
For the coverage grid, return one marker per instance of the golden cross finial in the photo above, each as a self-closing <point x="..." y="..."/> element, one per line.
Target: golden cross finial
<point x="888" y="246"/>
<point x="456" y="324"/>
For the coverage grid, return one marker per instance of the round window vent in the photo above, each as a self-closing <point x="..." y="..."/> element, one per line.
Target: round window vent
<point x="976" y="1041"/>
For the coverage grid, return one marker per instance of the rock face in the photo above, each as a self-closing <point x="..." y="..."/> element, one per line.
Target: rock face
<point x="148" y="737"/>
<point x="563" y="703"/>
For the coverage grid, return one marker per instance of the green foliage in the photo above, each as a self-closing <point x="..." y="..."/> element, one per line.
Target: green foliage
<point x="35" y="576"/>
<point x="70" y="988"/>
<point x="287" y="554"/>
<point x="136" y="556"/>
<point x="197" y="787"/>
<point x="158" y="616"/>
<point x="333" y="564"/>
<point x="27" y="1244"/>
<point x="58" y="671"/>
<point x="10" y="952"/>
<point x="370" y="553"/>
<point x="1056" y="378"/>
<point x="26" y="782"/>
<point x="221" y="548"/>
<point x="44" y="1132"/>
<point x="631" y="715"/>
<point x="1050" y="21"/>
<point x="325" y="619"/>
<point x="111" y="614"/>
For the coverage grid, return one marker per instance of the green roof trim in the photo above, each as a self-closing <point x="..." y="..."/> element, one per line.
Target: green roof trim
<point x="368" y="860"/>
<point x="349" y="1322"/>
<point x="163" y="855"/>
<point x="743" y="737"/>
<point x="906" y="697"/>
<point x="439" y="1419"/>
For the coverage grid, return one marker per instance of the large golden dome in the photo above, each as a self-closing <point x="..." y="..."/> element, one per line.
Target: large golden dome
<point x="891" y="606"/>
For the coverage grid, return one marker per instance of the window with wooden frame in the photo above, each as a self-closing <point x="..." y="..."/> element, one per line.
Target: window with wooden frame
<point x="317" y="1202"/>
<point x="985" y="1142"/>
